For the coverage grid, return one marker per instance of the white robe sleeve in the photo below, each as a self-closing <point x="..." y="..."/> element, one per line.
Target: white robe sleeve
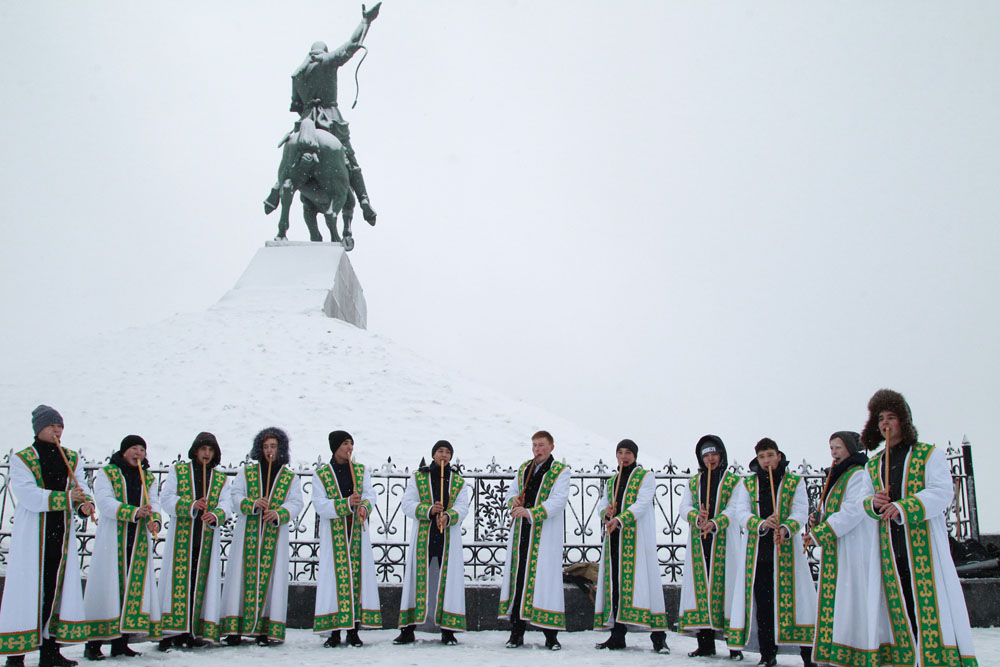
<point x="104" y="495"/>
<point x="800" y="509"/>
<point x="461" y="504"/>
<point x="293" y="501"/>
<point x="225" y="499"/>
<point x="323" y="504"/>
<point x="738" y="510"/>
<point x="238" y="492"/>
<point x="26" y="490"/>
<point x="169" y="497"/>
<point x="643" y="505"/>
<point x="411" y="500"/>
<point x="936" y="496"/>
<point x="851" y="511"/>
<point x="602" y="501"/>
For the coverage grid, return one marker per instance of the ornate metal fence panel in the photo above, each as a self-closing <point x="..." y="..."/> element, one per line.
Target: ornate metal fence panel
<point x="485" y="529"/>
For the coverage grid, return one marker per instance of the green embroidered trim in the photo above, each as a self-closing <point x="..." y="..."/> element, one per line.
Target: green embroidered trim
<point x="231" y="625"/>
<point x="825" y="650"/>
<point x="443" y="619"/>
<point x="869" y="508"/>
<point x="913" y="510"/>
<point x="259" y="546"/>
<point x="58" y="501"/>
<point x="177" y="619"/>
<point x="541" y="617"/>
<point x="346" y="561"/>
<point x="710" y="591"/>
<point x="19" y="642"/>
<point x="246" y="507"/>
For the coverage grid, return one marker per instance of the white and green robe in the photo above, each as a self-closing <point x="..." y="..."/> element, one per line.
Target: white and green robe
<point x="943" y="636"/>
<point x="542" y="601"/>
<point x="707" y="597"/>
<point x="849" y="566"/>
<point x="21" y="628"/>
<point x="640" y="594"/>
<point x="346" y="588"/>
<point x="794" y="590"/>
<point x="449" y="597"/>
<point x="176" y="577"/>
<point x="255" y="593"/>
<point x="121" y="596"/>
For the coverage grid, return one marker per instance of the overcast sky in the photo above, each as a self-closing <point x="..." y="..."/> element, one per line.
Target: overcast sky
<point x="657" y="219"/>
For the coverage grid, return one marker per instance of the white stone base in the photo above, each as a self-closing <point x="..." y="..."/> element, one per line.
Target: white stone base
<point x="305" y="276"/>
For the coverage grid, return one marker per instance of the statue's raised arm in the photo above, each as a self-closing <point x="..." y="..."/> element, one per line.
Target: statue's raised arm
<point x="346" y="50"/>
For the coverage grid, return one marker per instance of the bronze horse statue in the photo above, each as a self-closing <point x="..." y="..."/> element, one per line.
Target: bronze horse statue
<point x="314" y="163"/>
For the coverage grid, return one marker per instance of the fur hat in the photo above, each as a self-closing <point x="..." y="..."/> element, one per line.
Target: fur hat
<point x="257" y="451"/>
<point x="206" y="438"/>
<point x="891" y="401"/>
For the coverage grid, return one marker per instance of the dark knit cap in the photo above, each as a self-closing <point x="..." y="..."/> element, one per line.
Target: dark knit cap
<point x="337" y="438"/>
<point x="442" y="443"/>
<point x="892" y="401"/>
<point x="131" y="441"/>
<point x="850" y="439"/>
<point x="629" y="445"/>
<point x="43" y="416"/>
<point x="206" y="438"/>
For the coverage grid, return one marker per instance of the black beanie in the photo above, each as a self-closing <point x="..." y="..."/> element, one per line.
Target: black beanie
<point x="629" y="445"/>
<point x="337" y="438"/>
<point x="442" y="443"/>
<point x="131" y="441"/>
<point x="43" y="416"/>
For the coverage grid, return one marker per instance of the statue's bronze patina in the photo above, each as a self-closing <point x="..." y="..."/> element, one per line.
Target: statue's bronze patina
<point x="317" y="158"/>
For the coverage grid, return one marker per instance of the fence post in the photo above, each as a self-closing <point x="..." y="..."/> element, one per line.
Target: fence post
<point x="970" y="481"/>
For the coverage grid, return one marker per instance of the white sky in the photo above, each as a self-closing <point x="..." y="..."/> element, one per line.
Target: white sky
<point x="657" y="219"/>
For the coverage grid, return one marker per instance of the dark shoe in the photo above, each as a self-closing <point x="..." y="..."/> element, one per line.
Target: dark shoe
<point x="15" y="661"/>
<point x="612" y="643"/>
<point x="233" y="640"/>
<point x="448" y="638"/>
<point x="701" y="653"/>
<point x="189" y="640"/>
<point x="353" y="639"/>
<point x="515" y="640"/>
<point x="55" y="659"/>
<point x="165" y="644"/>
<point x="405" y="636"/>
<point x="736" y="656"/>
<point x="552" y="644"/>
<point x="92" y="651"/>
<point x="661" y="647"/>
<point x="261" y="640"/>
<point x="119" y="647"/>
<point x="768" y="662"/>
<point x="333" y="641"/>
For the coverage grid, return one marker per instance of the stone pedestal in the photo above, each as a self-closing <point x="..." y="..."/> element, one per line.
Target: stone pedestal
<point x="292" y="276"/>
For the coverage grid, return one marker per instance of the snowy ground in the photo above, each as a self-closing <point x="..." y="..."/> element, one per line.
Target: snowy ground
<point x="303" y="649"/>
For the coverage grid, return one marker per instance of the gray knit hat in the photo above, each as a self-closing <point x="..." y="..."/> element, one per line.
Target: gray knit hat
<point x="43" y="416"/>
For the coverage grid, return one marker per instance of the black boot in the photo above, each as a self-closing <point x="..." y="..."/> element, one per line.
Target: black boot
<point x="165" y="644"/>
<point x="612" y="643"/>
<point x="233" y="640"/>
<point x="15" y="661"/>
<point x="736" y="656"/>
<point x="119" y="647"/>
<point x="552" y="640"/>
<point x="333" y="641"/>
<point x="92" y="651"/>
<point x="767" y="662"/>
<point x="51" y="657"/>
<point x="516" y="639"/>
<point x="448" y="637"/>
<point x="405" y="636"/>
<point x="659" y="639"/>
<point x="353" y="639"/>
<point x="706" y="644"/>
<point x="262" y="640"/>
<point x="358" y="185"/>
<point x="807" y="654"/>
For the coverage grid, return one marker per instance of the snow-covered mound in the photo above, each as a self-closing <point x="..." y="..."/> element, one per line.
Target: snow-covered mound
<point x="233" y="370"/>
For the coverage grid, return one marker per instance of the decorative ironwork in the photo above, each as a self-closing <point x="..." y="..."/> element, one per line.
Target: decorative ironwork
<point x="485" y="529"/>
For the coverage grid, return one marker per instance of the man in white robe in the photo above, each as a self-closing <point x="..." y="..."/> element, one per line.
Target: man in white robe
<point x="436" y="501"/>
<point x="196" y="496"/>
<point x="346" y="588"/>
<point x="532" y="587"/>
<point x="849" y="564"/>
<point x="121" y="598"/>
<point x="266" y="499"/>
<point x="714" y="549"/>
<point x="42" y="603"/>
<point x="774" y="604"/>
<point x="929" y="621"/>
<point x="629" y="589"/>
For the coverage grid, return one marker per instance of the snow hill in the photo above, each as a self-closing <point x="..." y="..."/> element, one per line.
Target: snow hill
<point x="268" y="355"/>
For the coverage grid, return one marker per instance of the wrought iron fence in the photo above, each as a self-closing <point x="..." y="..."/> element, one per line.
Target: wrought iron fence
<point x="485" y="528"/>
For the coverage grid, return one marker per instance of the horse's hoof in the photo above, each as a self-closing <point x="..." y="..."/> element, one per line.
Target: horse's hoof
<point x="348" y="243"/>
<point x="280" y="237"/>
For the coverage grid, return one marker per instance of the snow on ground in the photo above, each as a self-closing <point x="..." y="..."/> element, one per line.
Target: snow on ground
<point x="236" y="368"/>
<point x="303" y="649"/>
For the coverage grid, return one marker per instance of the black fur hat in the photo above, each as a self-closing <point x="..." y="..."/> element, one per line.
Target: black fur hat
<point x="206" y="438"/>
<point x="707" y="441"/>
<point x="257" y="451"/>
<point x="893" y="401"/>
